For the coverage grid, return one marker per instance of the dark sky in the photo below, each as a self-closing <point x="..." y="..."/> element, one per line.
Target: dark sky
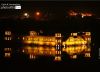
<point x="62" y="4"/>
<point x="57" y="7"/>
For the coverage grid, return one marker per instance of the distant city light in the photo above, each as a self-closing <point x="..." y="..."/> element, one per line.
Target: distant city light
<point x="7" y="32"/>
<point x="72" y="13"/>
<point x="37" y="13"/>
<point x="85" y="14"/>
<point x="26" y="15"/>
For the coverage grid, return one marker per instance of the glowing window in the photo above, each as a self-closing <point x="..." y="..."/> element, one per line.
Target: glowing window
<point x="33" y="33"/>
<point x="89" y="39"/>
<point x="87" y="55"/>
<point x="31" y="56"/>
<point x="7" y="32"/>
<point x="7" y="49"/>
<point x="74" y="56"/>
<point x="74" y="34"/>
<point x="57" y="58"/>
<point x="7" y="38"/>
<point x="58" y="35"/>
<point x="7" y="54"/>
<point x="88" y="33"/>
<point x="23" y="38"/>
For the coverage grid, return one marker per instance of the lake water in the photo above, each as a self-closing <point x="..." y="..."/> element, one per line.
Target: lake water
<point x="44" y="54"/>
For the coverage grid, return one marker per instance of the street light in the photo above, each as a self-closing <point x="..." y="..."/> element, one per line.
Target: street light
<point x="26" y="15"/>
<point x="37" y="13"/>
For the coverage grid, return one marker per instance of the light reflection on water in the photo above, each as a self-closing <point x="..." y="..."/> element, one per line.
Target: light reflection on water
<point x="56" y="52"/>
<point x="33" y="47"/>
<point x="36" y="51"/>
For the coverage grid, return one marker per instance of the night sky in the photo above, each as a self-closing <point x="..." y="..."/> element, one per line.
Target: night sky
<point x="57" y="8"/>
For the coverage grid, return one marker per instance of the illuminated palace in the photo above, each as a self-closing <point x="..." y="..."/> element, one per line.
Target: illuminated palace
<point x="74" y="39"/>
<point x="42" y="40"/>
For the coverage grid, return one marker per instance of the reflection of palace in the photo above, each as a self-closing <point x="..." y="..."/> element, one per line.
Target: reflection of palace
<point x="36" y="51"/>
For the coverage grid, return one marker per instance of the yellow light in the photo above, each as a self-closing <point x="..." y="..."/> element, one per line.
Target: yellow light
<point x="88" y="33"/>
<point x="33" y="33"/>
<point x="8" y="38"/>
<point x="40" y="39"/>
<point x="41" y="52"/>
<point x="28" y="42"/>
<point x="31" y="56"/>
<point x="29" y="38"/>
<point x="88" y="49"/>
<point x="74" y="56"/>
<point x="50" y="53"/>
<point x="77" y="42"/>
<point x="53" y="43"/>
<point x="25" y="14"/>
<point x="83" y="47"/>
<point x="23" y="38"/>
<point x="72" y="13"/>
<point x="37" y="13"/>
<point x="40" y="43"/>
<point x="7" y="49"/>
<point x="35" y="39"/>
<point x="7" y="54"/>
<point x="87" y="55"/>
<point x="7" y="32"/>
<point x="23" y="50"/>
<point x="57" y="58"/>
<point x="57" y="34"/>
<point x="53" y="49"/>
<point x="74" y="34"/>
<point x="58" y="52"/>
<point x="47" y="43"/>
<point x="28" y="47"/>
<point x="41" y="48"/>
<point x="84" y="42"/>
<point x="71" y="39"/>
<point x="63" y="49"/>
<point x="89" y="39"/>
<point x="35" y="42"/>
<point x="63" y="43"/>
<point x="82" y="16"/>
<point x="47" y="49"/>
<point x="85" y="14"/>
